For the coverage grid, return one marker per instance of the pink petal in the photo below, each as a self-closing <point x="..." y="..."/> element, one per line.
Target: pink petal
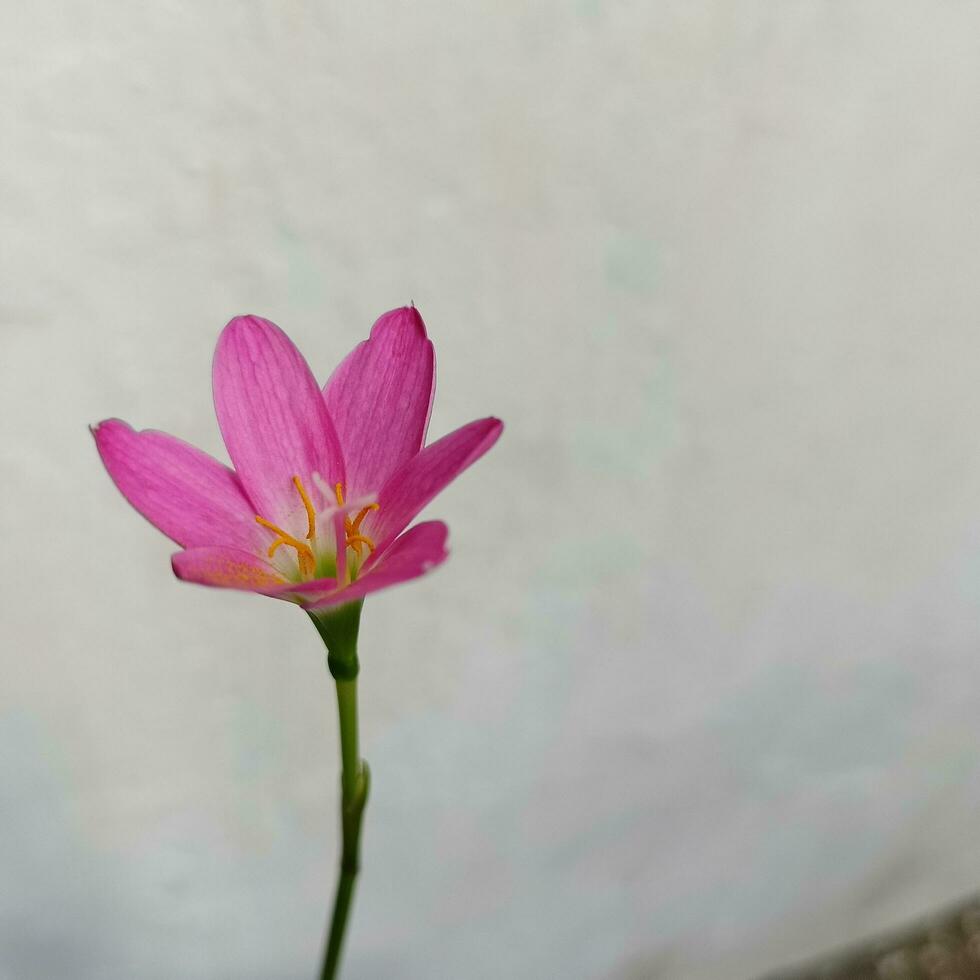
<point x="273" y="419"/>
<point x="416" y="552"/>
<point x="191" y="497"/>
<point x="227" y="568"/>
<point x="307" y="593"/>
<point x="380" y="398"/>
<point x="416" y="482"/>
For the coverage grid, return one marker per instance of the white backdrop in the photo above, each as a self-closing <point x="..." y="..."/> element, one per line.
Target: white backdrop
<point x="697" y="693"/>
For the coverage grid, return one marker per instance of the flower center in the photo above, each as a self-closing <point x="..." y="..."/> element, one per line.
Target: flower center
<point x="353" y="538"/>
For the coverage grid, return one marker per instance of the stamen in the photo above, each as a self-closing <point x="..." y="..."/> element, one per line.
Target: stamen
<point x="356" y="540"/>
<point x="353" y="538"/>
<point x="304" y="553"/>
<point x="308" y="504"/>
<point x="356" y="524"/>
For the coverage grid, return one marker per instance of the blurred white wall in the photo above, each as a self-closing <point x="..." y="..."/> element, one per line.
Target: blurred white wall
<point x="697" y="693"/>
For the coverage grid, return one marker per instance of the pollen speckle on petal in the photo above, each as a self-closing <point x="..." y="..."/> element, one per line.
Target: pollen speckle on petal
<point x="230" y="573"/>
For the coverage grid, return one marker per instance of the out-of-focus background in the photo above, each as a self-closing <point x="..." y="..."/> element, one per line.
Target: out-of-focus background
<point x="698" y="693"/>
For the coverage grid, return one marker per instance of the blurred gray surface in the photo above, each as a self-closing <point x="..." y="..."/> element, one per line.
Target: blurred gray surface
<point x="944" y="945"/>
<point x="697" y="694"/>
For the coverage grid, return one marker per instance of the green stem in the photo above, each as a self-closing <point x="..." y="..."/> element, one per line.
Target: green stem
<point x="355" y="781"/>
<point x="341" y="906"/>
<point x="349" y="759"/>
<point x="338" y="628"/>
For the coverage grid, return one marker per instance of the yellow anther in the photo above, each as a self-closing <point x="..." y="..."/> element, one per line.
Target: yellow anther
<point x="304" y="553"/>
<point x="356" y="523"/>
<point x="356" y="540"/>
<point x="308" y="504"/>
<point x="352" y="527"/>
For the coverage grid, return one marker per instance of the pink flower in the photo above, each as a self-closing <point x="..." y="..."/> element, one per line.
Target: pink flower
<point x="324" y="484"/>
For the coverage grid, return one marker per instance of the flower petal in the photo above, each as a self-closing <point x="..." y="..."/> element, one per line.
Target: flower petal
<point x="308" y="593"/>
<point x="416" y="482"/>
<point x="416" y="552"/>
<point x="273" y="419"/>
<point x="380" y="398"/>
<point x="187" y="494"/>
<point x="227" y="568"/>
